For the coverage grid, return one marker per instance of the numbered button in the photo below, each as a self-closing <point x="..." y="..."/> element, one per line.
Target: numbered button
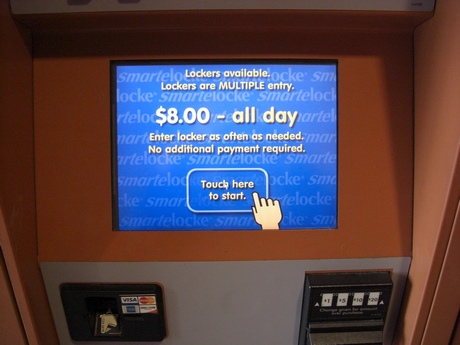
<point x="342" y="299"/>
<point x="358" y="298"/>
<point x="327" y="300"/>
<point x="373" y="298"/>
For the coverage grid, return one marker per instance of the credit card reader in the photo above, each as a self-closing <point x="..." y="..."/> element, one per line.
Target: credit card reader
<point x="114" y="312"/>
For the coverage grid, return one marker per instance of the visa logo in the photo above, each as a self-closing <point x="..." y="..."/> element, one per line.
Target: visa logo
<point x="129" y="299"/>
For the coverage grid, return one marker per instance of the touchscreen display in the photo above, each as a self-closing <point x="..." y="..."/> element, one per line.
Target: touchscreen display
<point x="224" y="145"/>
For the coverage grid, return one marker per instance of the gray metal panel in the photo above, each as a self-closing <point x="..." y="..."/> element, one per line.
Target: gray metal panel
<point x="225" y="303"/>
<point x="75" y="6"/>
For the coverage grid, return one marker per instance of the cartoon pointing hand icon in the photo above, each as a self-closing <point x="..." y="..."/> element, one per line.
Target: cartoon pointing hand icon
<point x="267" y="212"/>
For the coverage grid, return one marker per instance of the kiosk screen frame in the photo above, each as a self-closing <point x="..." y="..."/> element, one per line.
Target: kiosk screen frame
<point x="224" y="144"/>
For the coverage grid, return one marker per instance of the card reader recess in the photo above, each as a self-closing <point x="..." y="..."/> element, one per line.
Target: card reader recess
<point x="114" y="312"/>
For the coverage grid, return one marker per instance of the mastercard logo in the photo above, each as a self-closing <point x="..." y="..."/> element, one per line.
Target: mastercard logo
<point x="147" y="300"/>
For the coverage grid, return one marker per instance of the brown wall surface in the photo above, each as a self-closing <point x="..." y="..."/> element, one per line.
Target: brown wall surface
<point x="437" y="174"/>
<point x="11" y="328"/>
<point x="72" y="127"/>
<point x="18" y="235"/>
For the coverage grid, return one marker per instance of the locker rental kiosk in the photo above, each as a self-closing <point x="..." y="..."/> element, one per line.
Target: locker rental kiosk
<point x="211" y="173"/>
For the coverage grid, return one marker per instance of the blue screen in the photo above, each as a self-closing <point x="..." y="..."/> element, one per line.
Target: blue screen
<point x="224" y="145"/>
